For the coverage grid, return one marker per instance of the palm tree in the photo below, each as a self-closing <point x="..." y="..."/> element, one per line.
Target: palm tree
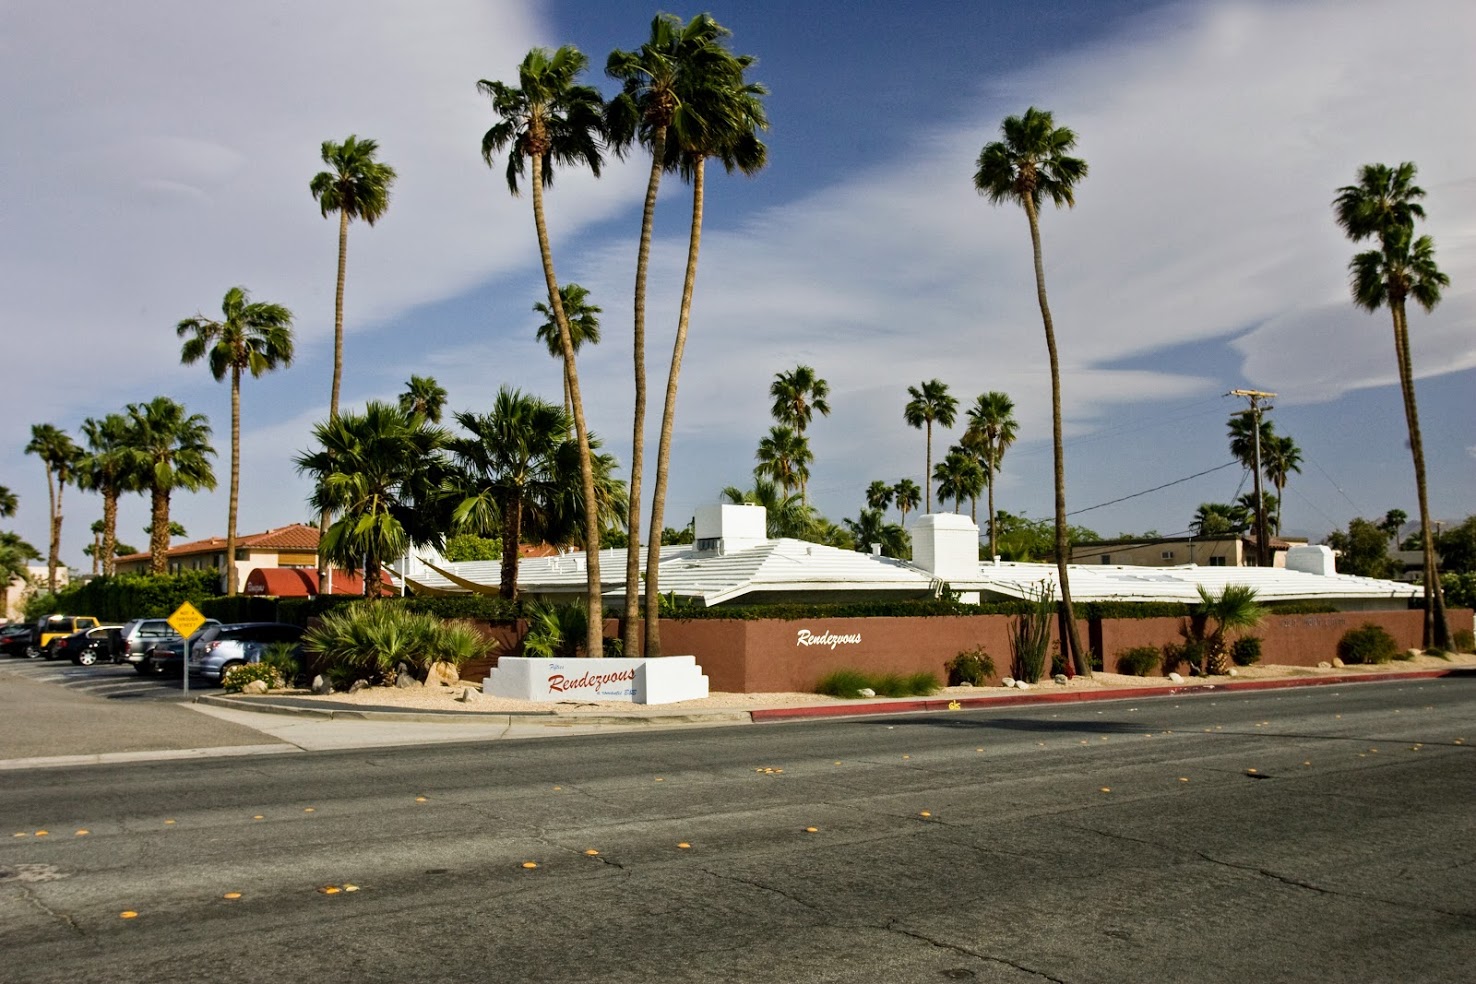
<point x="171" y="448"/>
<point x="871" y="527"/>
<point x="784" y="456"/>
<point x="785" y="515"/>
<point x="879" y="496"/>
<point x="250" y="337"/>
<point x="8" y="502"/>
<point x="725" y="114"/>
<point x="356" y="186"/>
<point x="548" y="119"/>
<point x="1219" y="518"/>
<point x="1279" y="458"/>
<point x="992" y="429"/>
<point x="108" y="467"/>
<point x="906" y="495"/>
<point x="377" y="471"/>
<point x="653" y="82"/>
<point x="1234" y="609"/>
<point x="584" y="326"/>
<point x="424" y="397"/>
<point x="959" y="476"/>
<point x="1032" y="163"/>
<point x="930" y="402"/>
<point x="505" y="469"/>
<point x="15" y="556"/>
<point x="798" y="395"/>
<point x="59" y="457"/>
<point x="1384" y="204"/>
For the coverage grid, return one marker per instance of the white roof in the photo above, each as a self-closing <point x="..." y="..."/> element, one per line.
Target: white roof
<point x="799" y="566"/>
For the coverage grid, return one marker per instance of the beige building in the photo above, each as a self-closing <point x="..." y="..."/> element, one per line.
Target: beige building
<point x="1173" y="551"/>
<point x="285" y="546"/>
<point x="18" y="592"/>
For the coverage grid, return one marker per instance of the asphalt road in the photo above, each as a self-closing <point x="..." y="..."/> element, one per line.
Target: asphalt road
<point x="1323" y="834"/>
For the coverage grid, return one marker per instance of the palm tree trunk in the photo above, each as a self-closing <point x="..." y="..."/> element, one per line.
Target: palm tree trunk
<point x="159" y="531"/>
<point x="110" y="530"/>
<point x="928" y="470"/>
<point x="632" y="613"/>
<point x="512" y="532"/>
<point x="343" y="224"/>
<point x="594" y="637"/>
<point x="1069" y="638"/>
<point x="1436" y="631"/>
<point x="993" y="546"/>
<point x="53" y="554"/>
<point x="668" y="418"/>
<point x="235" y="497"/>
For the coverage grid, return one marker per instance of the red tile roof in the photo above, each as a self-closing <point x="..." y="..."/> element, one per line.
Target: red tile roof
<point x="297" y="536"/>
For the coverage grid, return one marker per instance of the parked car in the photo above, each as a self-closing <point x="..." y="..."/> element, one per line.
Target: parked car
<point x="15" y="639"/>
<point x="54" y="628"/>
<point x="103" y="644"/>
<point x="144" y="634"/>
<point x="218" y="648"/>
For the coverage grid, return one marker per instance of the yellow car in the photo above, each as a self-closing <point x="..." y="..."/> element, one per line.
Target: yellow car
<point x="53" y="628"/>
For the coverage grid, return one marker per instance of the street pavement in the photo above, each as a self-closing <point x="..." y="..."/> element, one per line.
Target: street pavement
<point x="1322" y="834"/>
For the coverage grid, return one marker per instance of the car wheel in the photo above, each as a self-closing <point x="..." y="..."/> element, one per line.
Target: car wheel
<point x="142" y="668"/>
<point x="49" y="652"/>
<point x="85" y="658"/>
<point x="32" y="652"/>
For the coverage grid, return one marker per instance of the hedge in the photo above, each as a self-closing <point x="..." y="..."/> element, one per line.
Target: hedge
<point x="126" y="596"/>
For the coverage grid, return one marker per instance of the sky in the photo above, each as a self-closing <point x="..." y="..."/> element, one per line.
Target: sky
<point x="159" y="152"/>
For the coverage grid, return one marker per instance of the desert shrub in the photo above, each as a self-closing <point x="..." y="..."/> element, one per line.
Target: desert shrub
<point x="1177" y="654"/>
<point x="1368" y="643"/>
<point x="1030" y="636"/>
<point x="850" y="683"/>
<point x="282" y="658"/>
<point x="972" y="666"/>
<point x="1246" y="651"/>
<point x="554" y="631"/>
<point x="372" y="638"/>
<point x="237" y="677"/>
<point x="614" y="648"/>
<point x="1139" y="660"/>
<point x="1463" y="640"/>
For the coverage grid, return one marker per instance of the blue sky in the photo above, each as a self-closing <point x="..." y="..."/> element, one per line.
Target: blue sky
<point x="159" y="154"/>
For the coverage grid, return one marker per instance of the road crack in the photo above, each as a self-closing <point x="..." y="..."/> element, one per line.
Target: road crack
<point x="1308" y="886"/>
<point x="764" y="888"/>
<point x="63" y="917"/>
<point x="892" y="927"/>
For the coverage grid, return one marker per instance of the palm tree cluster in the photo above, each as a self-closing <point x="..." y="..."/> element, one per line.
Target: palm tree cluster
<point x="1280" y="457"/>
<point x="15" y="553"/>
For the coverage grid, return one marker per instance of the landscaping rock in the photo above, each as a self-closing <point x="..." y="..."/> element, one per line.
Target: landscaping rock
<point x="1021" y="685"/>
<point x="442" y="674"/>
<point x="255" y="687"/>
<point x="866" y="692"/>
<point x="404" y="679"/>
<point x="1337" y="662"/>
<point x="321" y="685"/>
<point x="965" y="684"/>
<point x="469" y="695"/>
<point x="1232" y="672"/>
<point x="1324" y="665"/>
<point x="1008" y="682"/>
<point x="1176" y="678"/>
<point x="1059" y="679"/>
<point x="358" y="685"/>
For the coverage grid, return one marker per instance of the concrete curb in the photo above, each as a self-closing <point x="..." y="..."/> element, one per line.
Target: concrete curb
<point x="506" y="718"/>
<point x="906" y="706"/>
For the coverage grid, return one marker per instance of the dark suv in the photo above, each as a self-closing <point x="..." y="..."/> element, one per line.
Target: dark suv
<point x="142" y="635"/>
<point x="218" y="648"/>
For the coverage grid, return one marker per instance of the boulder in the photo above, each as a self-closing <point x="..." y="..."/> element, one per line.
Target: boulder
<point x="1324" y="665"/>
<point x="866" y="692"/>
<point x="1232" y="672"/>
<point x="1008" y="682"/>
<point x="1176" y="678"/>
<point x="1060" y="679"/>
<point x="442" y="674"/>
<point x="1021" y="685"/>
<point x="469" y="695"/>
<point x="255" y="687"/>
<point x="358" y="685"/>
<point x="1337" y="662"/>
<point x="321" y="685"/>
<point x="405" y="680"/>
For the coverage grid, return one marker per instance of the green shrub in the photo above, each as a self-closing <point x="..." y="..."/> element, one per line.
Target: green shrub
<point x="282" y="657"/>
<point x="125" y="596"/>
<point x="1177" y="654"/>
<point x="237" y="677"/>
<point x="1460" y="590"/>
<point x="1097" y="610"/>
<point x="1030" y="636"/>
<point x="1368" y="643"/>
<point x="1463" y="640"/>
<point x="972" y="666"/>
<point x="849" y="683"/>
<point x="1246" y="651"/>
<point x="1139" y="660"/>
<point x="371" y="638"/>
<point x="555" y="631"/>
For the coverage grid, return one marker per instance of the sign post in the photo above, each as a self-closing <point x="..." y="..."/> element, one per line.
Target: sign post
<point x="186" y="620"/>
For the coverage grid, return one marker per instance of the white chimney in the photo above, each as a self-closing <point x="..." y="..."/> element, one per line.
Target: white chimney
<point x="1312" y="559"/>
<point x="946" y="545"/>
<point x="726" y="528"/>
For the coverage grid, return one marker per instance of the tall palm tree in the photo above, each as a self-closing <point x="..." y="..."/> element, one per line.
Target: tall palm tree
<point x="506" y="468"/>
<point x="1250" y="449"/>
<point x="109" y="468"/>
<point x="171" y="448"/>
<point x="907" y="496"/>
<point x="584" y="326"/>
<point x="879" y="496"/>
<point x="930" y="403"/>
<point x="254" y="337"/>
<point x="654" y="80"/>
<point x="959" y="476"/>
<point x="992" y="429"/>
<point x="1383" y="205"/>
<point x="798" y="395"/>
<point x="1030" y="164"/>
<point x="726" y="115"/>
<point x="8" y="502"/>
<point x="377" y="471"/>
<point x="1279" y="458"/>
<point x="425" y="397"/>
<point x="59" y="457"/>
<point x="784" y="456"/>
<point x="549" y="119"/>
<point x="356" y="186"/>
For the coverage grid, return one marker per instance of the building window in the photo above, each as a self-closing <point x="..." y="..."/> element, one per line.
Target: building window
<point x="1217" y="562"/>
<point x="1167" y="555"/>
<point x="1106" y="559"/>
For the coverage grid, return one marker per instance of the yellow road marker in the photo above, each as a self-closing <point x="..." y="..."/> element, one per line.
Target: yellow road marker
<point x="812" y="830"/>
<point x="592" y="853"/>
<point x="684" y="845"/>
<point x="231" y="895"/>
<point x="127" y="914"/>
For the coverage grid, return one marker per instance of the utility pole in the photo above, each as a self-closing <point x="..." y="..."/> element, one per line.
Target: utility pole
<point x="1263" y="552"/>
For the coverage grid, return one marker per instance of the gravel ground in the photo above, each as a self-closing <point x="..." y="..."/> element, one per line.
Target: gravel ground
<point x="444" y="698"/>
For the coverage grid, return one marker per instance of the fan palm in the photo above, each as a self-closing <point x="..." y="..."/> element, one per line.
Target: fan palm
<point x="171" y="448"/>
<point x="549" y="119"/>
<point x="959" y="476"/>
<point x="1234" y="609"/>
<point x="59" y="457"/>
<point x="785" y="515"/>
<point x="584" y="326"/>
<point x="784" y="456"/>
<point x="930" y="402"/>
<point x="1279" y="458"/>
<point x="907" y="496"/>
<point x="879" y="496"/>
<point x="871" y="527"/>
<point x="1219" y="519"/>
<point x="653" y="82"/>
<point x="992" y="429"/>
<point x="8" y="502"/>
<point x="377" y="471"/>
<point x="725" y="114"/>
<point x="1030" y="164"/>
<point x="424" y="397"/>
<point x="250" y="337"/>
<point x="15" y="557"/>
<point x="108" y="467"/>
<point x="1383" y="205"/>
<point x="798" y="395"/>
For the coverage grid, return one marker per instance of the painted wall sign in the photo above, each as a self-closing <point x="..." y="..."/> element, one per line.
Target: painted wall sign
<point x="804" y="637"/>
<point x="664" y="680"/>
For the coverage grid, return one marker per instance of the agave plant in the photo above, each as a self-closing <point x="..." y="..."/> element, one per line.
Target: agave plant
<point x="1030" y="637"/>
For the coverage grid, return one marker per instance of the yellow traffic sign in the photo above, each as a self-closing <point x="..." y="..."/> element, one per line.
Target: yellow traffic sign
<point x="186" y="620"/>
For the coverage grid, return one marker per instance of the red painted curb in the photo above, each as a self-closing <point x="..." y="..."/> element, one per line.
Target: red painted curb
<point x="1017" y="699"/>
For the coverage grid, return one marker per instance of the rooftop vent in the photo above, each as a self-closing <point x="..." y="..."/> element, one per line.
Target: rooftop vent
<point x="726" y="528"/>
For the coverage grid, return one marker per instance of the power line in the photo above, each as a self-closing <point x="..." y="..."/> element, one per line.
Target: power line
<point x="1156" y="488"/>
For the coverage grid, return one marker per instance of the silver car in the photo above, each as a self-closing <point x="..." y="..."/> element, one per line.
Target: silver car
<point x="220" y="647"/>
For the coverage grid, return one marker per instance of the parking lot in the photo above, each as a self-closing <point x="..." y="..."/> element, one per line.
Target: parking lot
<point x="106" y="680"/>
